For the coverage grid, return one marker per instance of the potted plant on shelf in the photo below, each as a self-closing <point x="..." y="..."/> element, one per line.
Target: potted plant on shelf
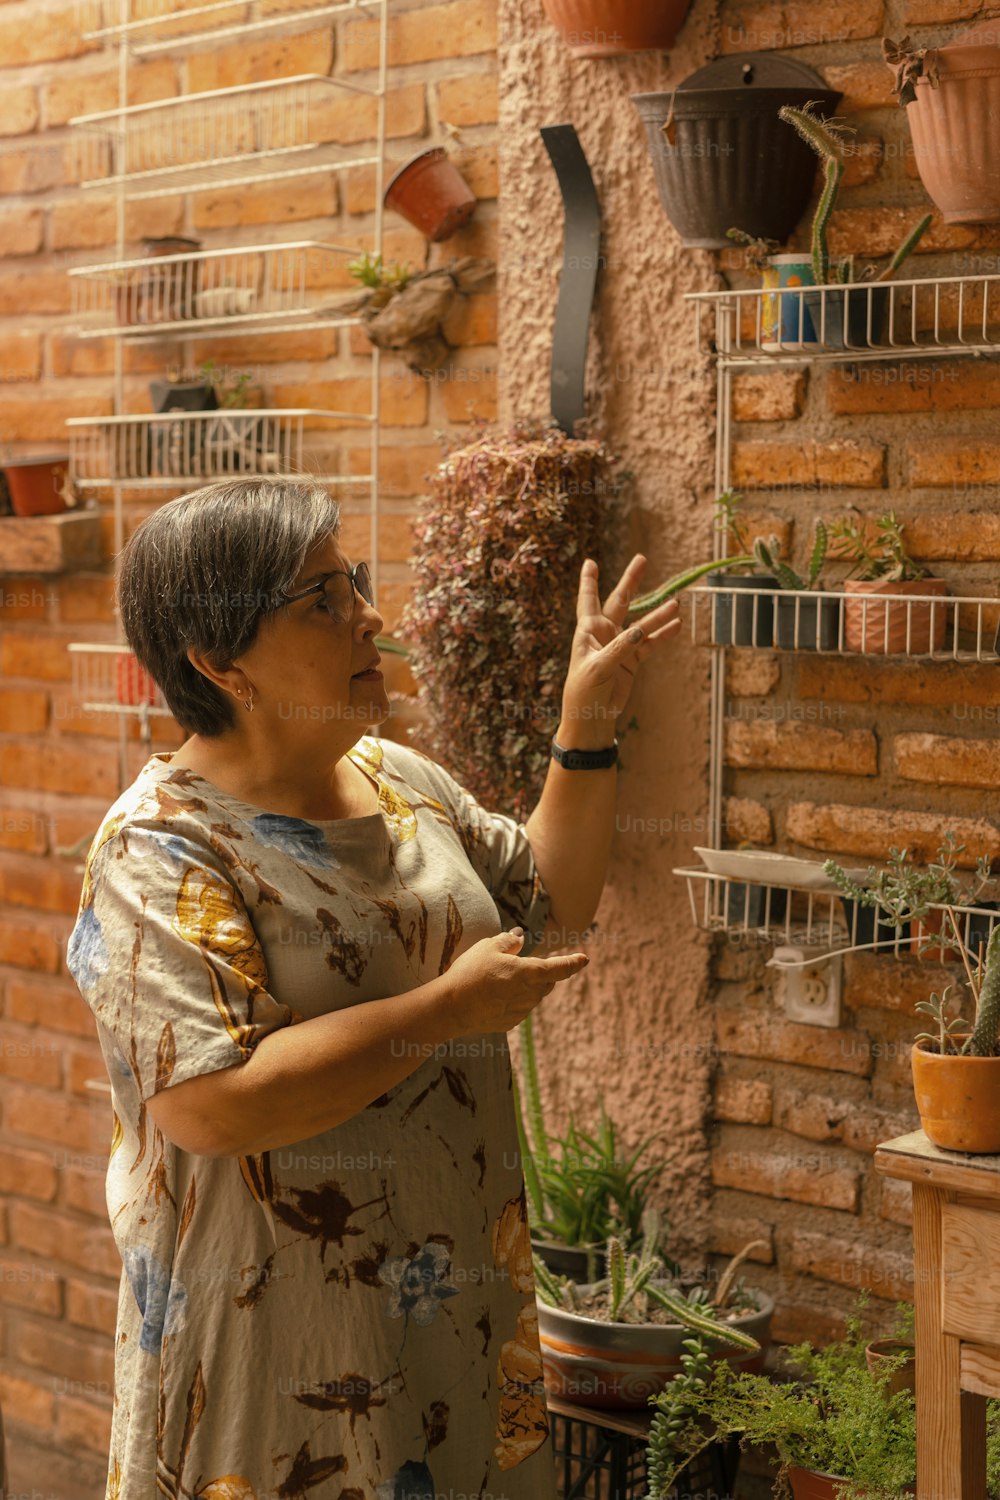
<point x="956" y="1068"/>
<point x="431" y="194"/>
<point x="38" y="485"/>
<point x="404" y="312"/>
<point x="738" y="621"/>
<point x="839" y="1433"/>
<point x="236" y="444"/>
<point x="802" y="624"/>
<point x="613" y="1343"/>
<point x="951" y="96"/>
<point x="609" y="28"/>
<point x="884" y="567"/>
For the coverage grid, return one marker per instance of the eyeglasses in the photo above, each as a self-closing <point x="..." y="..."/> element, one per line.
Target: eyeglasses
<point x="338" y="598"/>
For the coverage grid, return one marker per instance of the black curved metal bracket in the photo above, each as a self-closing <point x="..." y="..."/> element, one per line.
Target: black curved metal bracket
<point x="578" y="280"/>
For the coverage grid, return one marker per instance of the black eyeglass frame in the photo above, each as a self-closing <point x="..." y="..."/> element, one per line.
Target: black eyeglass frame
<point x="317" y="588"/>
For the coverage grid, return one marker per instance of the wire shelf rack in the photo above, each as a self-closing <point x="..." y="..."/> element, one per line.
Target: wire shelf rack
<point x="930" y="626"/>
<point x="151" y="452"/>
<point x="914" y="319"/>
<point x="192" y="25"/>
<point x="756" y="912"/>
<point x="220" y="138"/>
<point x="107" y="679"/>
<point x="241" y="290"/>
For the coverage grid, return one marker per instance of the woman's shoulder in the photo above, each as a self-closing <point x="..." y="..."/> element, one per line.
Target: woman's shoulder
<point x="151" y="810"/>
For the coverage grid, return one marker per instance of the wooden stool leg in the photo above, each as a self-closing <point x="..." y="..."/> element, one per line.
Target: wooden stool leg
<point x="951" y="1424"/>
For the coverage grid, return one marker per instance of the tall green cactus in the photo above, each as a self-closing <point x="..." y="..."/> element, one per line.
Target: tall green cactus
<point x="986" y="1033"/>
<point x="825" y="138"/>
<point x="682" y="580"/>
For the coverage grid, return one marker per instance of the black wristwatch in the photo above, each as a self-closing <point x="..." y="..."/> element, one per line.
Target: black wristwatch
<point x="585" y="760"/>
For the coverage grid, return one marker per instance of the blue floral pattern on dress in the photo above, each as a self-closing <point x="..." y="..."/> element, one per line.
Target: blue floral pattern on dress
<point x="160" y="1300"/>
<point x="295" y="836"/>
<point x="414" y="1481"/>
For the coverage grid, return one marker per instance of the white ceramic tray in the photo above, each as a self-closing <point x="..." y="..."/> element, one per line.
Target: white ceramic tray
<point x="765" y="867"/>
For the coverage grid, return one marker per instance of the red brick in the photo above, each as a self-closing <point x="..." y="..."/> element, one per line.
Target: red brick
<point x="965" y="536"/>
<point x="886" y="683"/>
<point x="42" y="36"/>
<point x="25" y="1283"/>
<point x="82" y="1064"/>
<point x="879" y="231"/>
<point x="23" y="711"/>
<point x="79" y="1363"/>
<point x="41" y="766"/>
<point x="769" y="398"/>
<point x="91" y="1306"/>
<point x="773" y="1170"/>
<point x="85" y="598"/>
<point x="881" y="981"/>
<point x="854" y="1263"/>
<point x="41" y="883"/>
<point x="403" y="469"/>
<point x="745" y="819"/>
<point x="267" y="203"/>
<point x="769" y="465"/>
<point x="81" y="1424"/>
<point x="23" y="829"/>
<point x="437" y="31"/>
<point x="32" y="170"/>
<point x="26" y="946"/>
<point x="937" y="462"/>
<point x="61" y="1237"/>
<point x="21" y="231"/>
<point x="30" y="1057"/>
<point x="947" y="760"/>
<point x="404" y="399"/>
<point x="85" y="1191"/>
<point x="929" y="12"/>
<point x="913" y="386"/>
<point x="18" y="109"/>
<point x="31" y="1174"/>
<point x="249" y="60"/>
<point x="33" y="654"/>
<point x="43" y="1115"/>
<point x="470" y="100"/>
<point x="469" y="394"/>
<point x="761" y="25"/>
<point x="396" y="541"/>
<point x="732" y="1229"/>
<point x="85" y="91"/>
<point x="864" y="85"/>
<point x="896" y="1201"/>
<point x="874" y="830"/>
<point x="23" y="1401"/>
<point x="842" y="1051"/>
<point x="349" y="118"/>
<point x="764" y="744"/>
<point x="753" y="674"/>
<point x="743" y="1100"/>
<point x="58" y="1007"/>
<point x="834" y="1119"/>
<point x="43" y="418"/>
<point x="472" y="321"/>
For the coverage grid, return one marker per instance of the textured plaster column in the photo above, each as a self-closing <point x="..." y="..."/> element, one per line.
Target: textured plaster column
<point x="639" y="1024"/>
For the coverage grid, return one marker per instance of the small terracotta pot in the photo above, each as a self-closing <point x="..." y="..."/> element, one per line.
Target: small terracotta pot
<point x="807" y="1484"/>
<point x="956" y="139"/>
<point x="958" y="1099"/>
<point x="865" y="626"/>
<point x="608" y="28"/>
<point x="431" y="193"/>
<point x="133" y="684"/>
<point x="878" y="1354"/>
<point x="37" y="485"/>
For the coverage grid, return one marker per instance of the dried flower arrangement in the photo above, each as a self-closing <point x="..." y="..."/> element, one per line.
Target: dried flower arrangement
<point x="503" y="535"/>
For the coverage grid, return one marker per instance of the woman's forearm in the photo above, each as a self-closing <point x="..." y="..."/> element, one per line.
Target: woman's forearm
<point x="571" y="829"/>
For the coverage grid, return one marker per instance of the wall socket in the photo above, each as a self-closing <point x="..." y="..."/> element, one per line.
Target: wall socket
<point x="810" y="993"/>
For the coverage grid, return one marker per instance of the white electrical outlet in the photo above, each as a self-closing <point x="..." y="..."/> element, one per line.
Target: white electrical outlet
<point x="810" y="992"/>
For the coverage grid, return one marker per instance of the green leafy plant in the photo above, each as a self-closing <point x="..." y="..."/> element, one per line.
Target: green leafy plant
<point x="828" y="1414"/>
<point x="372" y="272"/>
<point x="230" y="391"/>
<point x="883" y="557"/>
<point x="983" y="1039"/>
<point x="627" y="1290"/>
<point x="726" y="520"/>
<point x="767" y="551"/>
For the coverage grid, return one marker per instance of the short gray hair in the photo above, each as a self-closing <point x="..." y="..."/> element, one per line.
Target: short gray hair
<point x="203" y="570"/>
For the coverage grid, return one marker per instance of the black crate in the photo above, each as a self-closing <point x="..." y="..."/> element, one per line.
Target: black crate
<point x="599" y="1463"/>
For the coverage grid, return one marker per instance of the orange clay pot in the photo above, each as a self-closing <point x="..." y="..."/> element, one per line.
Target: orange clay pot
<point x="431" y="194"/>
<point x="955" y="128"/>
<point x="958" y="1099"/>
<point x="608" y="28"/>
<point x="865" y="625"/>
<point x="807" y="1484"/>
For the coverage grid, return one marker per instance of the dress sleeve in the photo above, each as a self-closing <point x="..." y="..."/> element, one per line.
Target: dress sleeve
<point x="498" y="849"/>
<point x="164" y="953"/>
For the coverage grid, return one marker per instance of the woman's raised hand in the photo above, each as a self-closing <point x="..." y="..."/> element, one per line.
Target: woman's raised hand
<point x="491" y="988"/>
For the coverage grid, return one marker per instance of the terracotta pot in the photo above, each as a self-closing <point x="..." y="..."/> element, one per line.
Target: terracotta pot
<point x="133" y="684"/>
<point x="607" y="28"/>
<point x="619" y="1366"/>
<point x="37" y="485"/>
<point x="956" y="128"/>
<point x="808" y="1484"/>
<point x="958" y="1099"/>
<point x="865" y="627"/>
<point x="879" y="1353"/>
<point x="431" y="193"/>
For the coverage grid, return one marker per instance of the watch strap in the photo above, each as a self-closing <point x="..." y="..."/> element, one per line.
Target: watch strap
<point x="585" y="760"/>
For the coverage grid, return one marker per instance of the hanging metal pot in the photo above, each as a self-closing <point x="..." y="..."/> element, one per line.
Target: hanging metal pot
<point x="725" y="160"/>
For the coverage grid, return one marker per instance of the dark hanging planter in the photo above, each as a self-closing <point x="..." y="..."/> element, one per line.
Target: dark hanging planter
<point x="726" y="160"/>
<point x="609" y="28"/>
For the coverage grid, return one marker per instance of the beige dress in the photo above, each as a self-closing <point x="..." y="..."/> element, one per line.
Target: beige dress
<point x="351" y="1317"/>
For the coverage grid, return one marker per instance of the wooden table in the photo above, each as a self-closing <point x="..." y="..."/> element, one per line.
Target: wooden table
<point x="956" y="1266"/>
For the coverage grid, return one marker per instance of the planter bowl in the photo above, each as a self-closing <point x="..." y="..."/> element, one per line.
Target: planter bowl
<point x="620" y="1365"/>
<point x="608" y="28"/>
<point x="958" y="1099"/>
<point x="431" y="194"/>
<point x="877" y="629"/>
<point x="733" y="622"/>
<point x="816" y="621"/>
<point x="568" y="1260"/>
<point x="881" y="1351"/>
<point x="37" y="485"/>
<point x="809" y="1484"/>
<point x="849" y="318"/>
<point x="955" y="129"/>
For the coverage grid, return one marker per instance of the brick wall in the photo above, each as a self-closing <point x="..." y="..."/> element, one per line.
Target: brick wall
<point x="851" y="756"/>
<point x="59" y="768"/>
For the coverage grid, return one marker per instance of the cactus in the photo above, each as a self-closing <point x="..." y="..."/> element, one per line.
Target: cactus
<point x="768" y="554"/>
<point x="826" y="139"/>
<point x="907" y="246"/>
<point x="986" y="1033"/>
<point x="683" y="580"/>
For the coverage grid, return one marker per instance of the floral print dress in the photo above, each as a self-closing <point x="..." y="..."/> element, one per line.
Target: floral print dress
<point x="351" y="1317"/>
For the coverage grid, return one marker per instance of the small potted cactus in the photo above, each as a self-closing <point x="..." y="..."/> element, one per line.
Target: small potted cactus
<point x="615" y="1342"/>
<point x="802" y="624"/>
<point x="956" y="1067"/>
<point x="738" y="621"/>
<point x="883" y="566"/>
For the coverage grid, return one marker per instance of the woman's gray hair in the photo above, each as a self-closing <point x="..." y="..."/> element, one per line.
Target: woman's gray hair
<point x="203" y="571"/>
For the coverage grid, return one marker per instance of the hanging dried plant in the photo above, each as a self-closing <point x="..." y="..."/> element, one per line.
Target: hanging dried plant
<point x="502" y="538"/>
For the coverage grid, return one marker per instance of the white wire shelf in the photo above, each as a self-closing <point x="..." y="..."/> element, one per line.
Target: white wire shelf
<point x="786" y="914"/>
<point x="163" y="14"/>
<point x="153" y="451"/>
<point x="231" y="137"/>
<point x="913" y="319"/>
<point x="933" y="627"/>
<point x="241" y="290"/>
<point x="107" y="679"/>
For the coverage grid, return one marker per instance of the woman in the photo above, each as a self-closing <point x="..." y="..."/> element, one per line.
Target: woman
<point x="303" y="947"/>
